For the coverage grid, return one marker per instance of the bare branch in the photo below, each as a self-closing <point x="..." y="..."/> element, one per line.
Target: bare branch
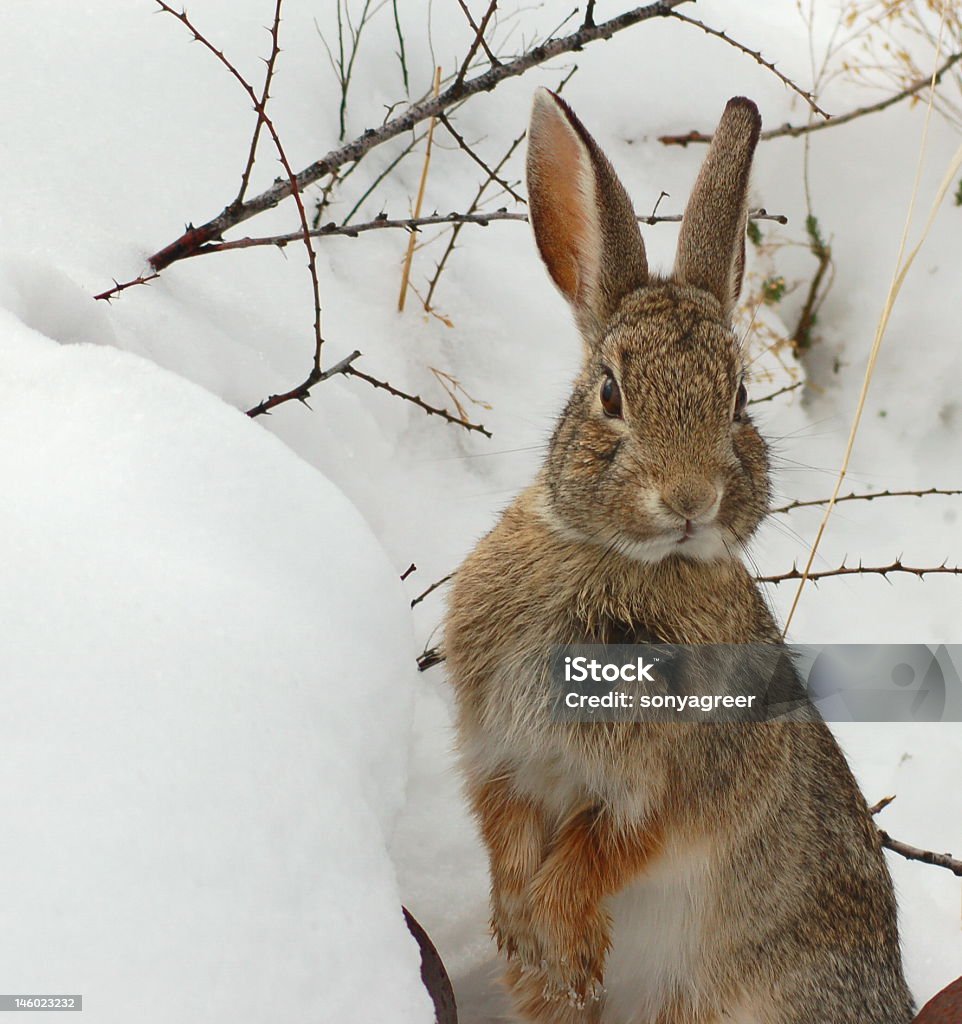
<point x="303" y="390"/>
<point x="431" y="410"/>
<point x="475" y="203"/>
<point x="796" y="130"/>
<point x="265" y="95"/>
<point x="491" y="173"/>
<point x="775" y="394"/>
<point x="941" y="860"/>
<point x="863" y="570"/>
<point x="864" y="497"/>
<point x="213" y="229"/>
<point x="118" y="287"/>
<point x="431" y="589"/>
<point x="478" y="40"/>
<point x="756" y="56"/>
<point x="402" y="56"/>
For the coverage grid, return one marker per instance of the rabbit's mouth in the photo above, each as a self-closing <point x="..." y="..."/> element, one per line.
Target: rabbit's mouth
<point x="688" y="532"/>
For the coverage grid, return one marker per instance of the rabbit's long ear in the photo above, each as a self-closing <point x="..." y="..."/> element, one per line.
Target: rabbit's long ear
<point x="583" y="220"/>
<point x="711" y="245"/>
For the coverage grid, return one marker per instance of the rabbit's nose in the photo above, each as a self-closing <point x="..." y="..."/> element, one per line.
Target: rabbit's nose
<point x="690" y="498"/>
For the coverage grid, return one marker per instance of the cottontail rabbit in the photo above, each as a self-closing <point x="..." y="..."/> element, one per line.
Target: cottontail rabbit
<point x="655" y="873"/>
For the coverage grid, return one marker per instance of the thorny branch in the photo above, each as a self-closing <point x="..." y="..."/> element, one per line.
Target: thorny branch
<point x="431" y="410"/>
<point x="863" y="570"/>
<point x="795" y="572"/>
<point x="384" y="222"/>
<point x="796" y="130"/>
<point x="864" y="497"/>
<point x="756" y="56"/>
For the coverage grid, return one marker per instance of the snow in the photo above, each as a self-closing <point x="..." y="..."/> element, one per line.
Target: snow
<point x="204" y="737"/>
<point x="226" y="773"/>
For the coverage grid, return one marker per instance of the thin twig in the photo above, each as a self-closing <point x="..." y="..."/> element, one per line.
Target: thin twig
<point x="402" y="57"/>
<point x="478" y="40"/>
<point x="861" y="570"/>
<point x="796" y="130"/>
<point x="415" y="140"/>
<point x="801" y="338"/>
<point x="864" y="497"/>
<point x="756" y="56"/>
<point x="453" y="239"/>
<point x="431" y="410"/>
<point x="942" y="860"/>
<point x="492" y="174"/>
<point x="431" y="589"/>
<point x="265" y="95"/>
<point x="775" y="394"/>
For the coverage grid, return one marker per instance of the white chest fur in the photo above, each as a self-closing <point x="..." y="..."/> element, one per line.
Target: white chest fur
<point x="657" y="941"/>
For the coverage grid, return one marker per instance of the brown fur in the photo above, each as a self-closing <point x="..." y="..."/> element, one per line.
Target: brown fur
<point x="631" y="533"/>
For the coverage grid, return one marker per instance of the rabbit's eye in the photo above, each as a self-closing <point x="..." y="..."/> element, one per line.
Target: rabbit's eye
<point x="611" y="397"/>
<point x="741" y="400"/>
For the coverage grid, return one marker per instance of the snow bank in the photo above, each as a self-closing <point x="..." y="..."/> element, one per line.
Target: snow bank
<point x="206" y="687"/>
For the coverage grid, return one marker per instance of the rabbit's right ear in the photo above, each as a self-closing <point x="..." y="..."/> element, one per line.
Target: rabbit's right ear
<point x="711" y="244"/>
<point x="583" y="220"/>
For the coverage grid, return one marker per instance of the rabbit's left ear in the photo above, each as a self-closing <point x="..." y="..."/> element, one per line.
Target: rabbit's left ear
<point x="582" y="217"/>
<point x="711" y="245"/>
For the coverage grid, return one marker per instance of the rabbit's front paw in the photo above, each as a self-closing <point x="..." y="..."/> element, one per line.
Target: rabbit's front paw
<point x="511" y="928"/>
<point x="569" y="950"/>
